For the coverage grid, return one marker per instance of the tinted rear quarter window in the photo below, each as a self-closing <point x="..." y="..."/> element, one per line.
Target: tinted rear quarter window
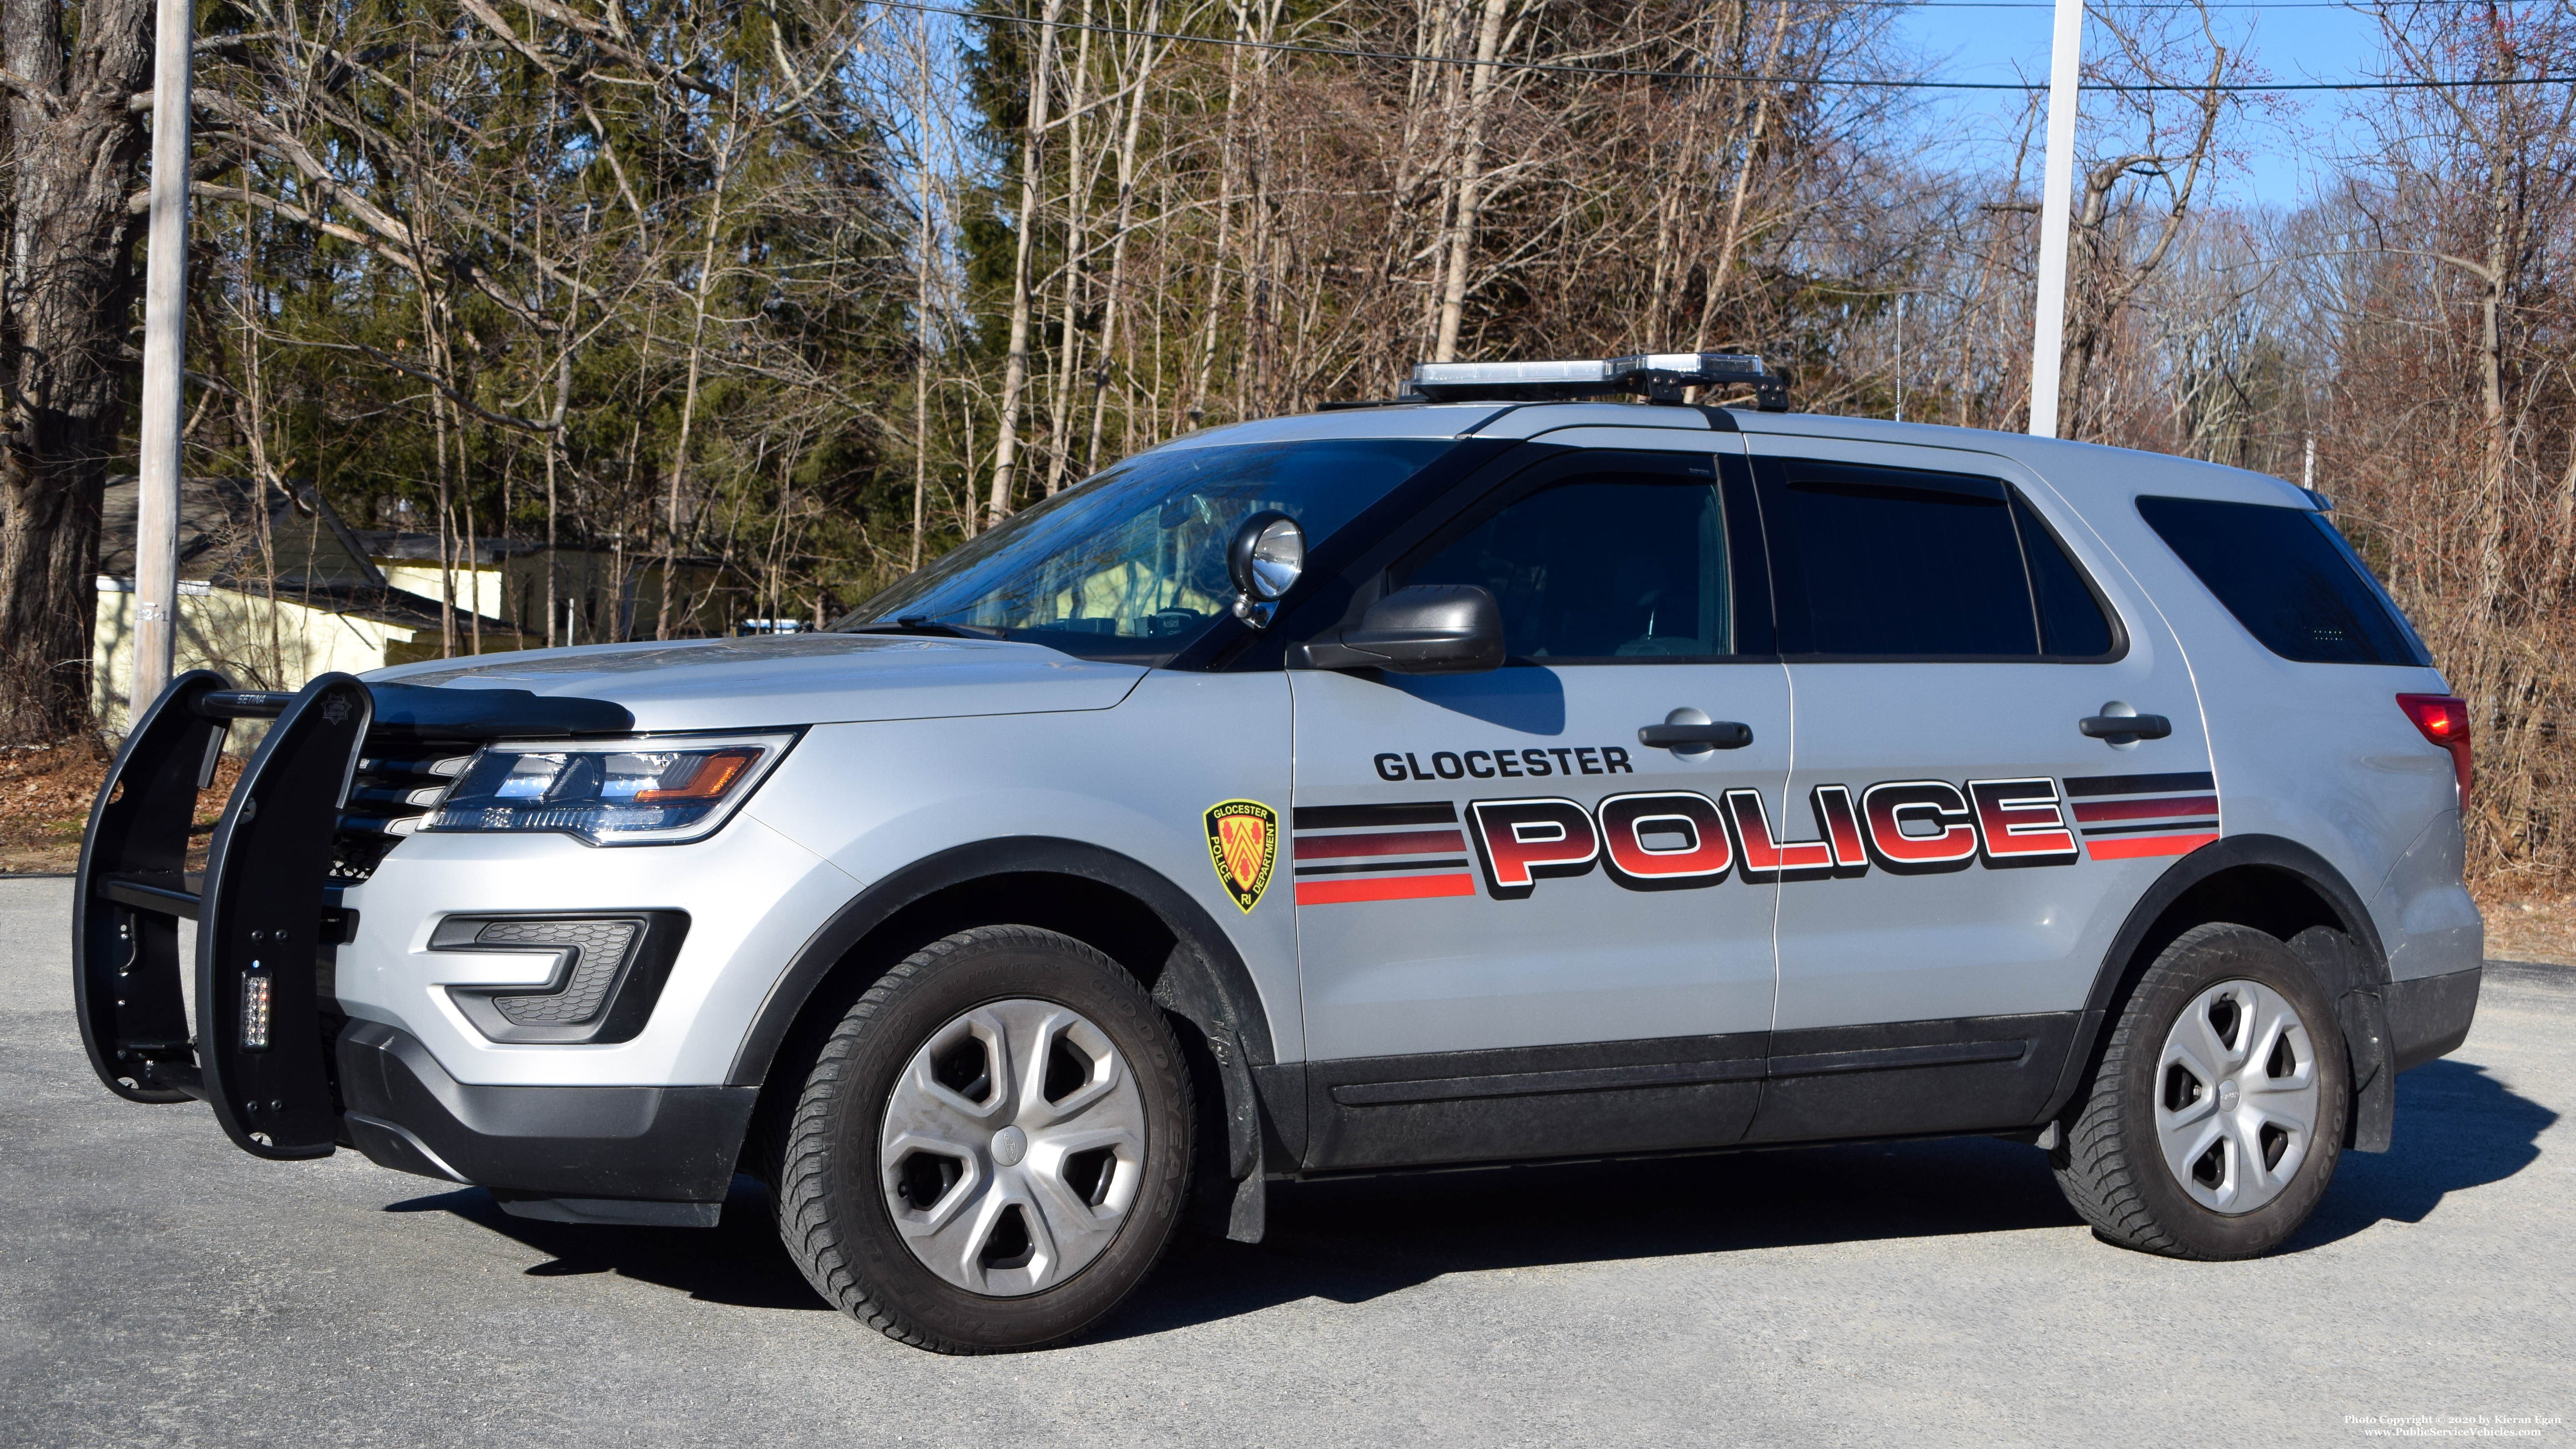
<point x="2071" y="622"/>
<point x="2289" y="578"/>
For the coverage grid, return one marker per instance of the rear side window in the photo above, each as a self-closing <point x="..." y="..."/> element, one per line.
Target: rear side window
<point x="1893" y="563"/>
<point x="2289" y="578"/>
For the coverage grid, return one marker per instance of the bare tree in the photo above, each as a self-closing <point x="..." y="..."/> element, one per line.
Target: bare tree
<point x="75" y="144"/>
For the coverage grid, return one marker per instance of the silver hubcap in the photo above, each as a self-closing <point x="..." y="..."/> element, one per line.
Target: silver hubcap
<point x="1013" y="1146"/>
<point x="2236" y="1096"/>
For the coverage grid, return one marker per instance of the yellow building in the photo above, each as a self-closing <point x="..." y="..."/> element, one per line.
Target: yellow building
<point x="273" y="589"/>
<point x="600" y="594"/>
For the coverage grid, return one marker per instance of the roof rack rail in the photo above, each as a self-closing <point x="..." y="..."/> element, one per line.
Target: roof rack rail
<point x="1658" y="376"/>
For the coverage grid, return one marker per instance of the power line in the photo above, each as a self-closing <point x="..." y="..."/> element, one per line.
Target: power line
<point x="2345" y="5"/>
<point x="1622" y="72"/>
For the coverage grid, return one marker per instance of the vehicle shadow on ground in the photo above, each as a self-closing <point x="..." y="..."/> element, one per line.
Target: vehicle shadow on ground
<point x="738" y="1262"/>
<point x="1354" y="1240"/>
<point x="2457" y="1128"/>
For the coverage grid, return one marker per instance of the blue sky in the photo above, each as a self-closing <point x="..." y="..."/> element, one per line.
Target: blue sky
<point x="2283" y="150"/>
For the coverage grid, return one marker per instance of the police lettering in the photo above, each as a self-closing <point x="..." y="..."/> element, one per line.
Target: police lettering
<point x="1680" y="839"/>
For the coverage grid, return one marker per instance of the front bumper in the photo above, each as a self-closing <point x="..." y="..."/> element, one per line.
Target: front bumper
<point x="659" y="1155"/>
<point x="309" y="1033"/>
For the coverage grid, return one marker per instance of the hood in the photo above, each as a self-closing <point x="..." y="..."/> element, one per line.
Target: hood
<point x="795" y="679"/>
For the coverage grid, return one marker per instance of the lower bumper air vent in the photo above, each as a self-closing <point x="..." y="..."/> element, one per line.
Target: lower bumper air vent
<point x="608" y="971"/>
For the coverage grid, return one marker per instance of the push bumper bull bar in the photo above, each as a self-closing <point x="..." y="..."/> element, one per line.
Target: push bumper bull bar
<point x="261" y="1053"/>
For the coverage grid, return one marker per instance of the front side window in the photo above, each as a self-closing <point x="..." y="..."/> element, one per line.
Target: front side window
<point x="1602" y="566"/>
<point x="2289" y="578"/>
<point x="1130" y="565"/>
<point x="1894" y="563"/>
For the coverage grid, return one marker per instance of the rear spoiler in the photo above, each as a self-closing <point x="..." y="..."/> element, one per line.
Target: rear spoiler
<point x="264" y="907"/>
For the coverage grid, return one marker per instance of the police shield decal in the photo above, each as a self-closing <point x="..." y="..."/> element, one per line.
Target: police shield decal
<point x="1243" y="841"/>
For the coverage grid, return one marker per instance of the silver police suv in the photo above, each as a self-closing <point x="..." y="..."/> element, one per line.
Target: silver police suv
<point x="1501" y="774"/>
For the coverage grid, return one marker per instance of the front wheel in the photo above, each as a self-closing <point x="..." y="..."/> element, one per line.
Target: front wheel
<point x="991" y="1148"/>
<point x="2214" y="1123"/>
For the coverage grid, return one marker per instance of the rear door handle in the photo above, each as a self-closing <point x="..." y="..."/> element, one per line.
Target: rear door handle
<point x="2122" y="728"/>
<point x="1725" y="734"/>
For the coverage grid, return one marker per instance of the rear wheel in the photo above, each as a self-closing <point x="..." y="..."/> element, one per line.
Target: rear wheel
<point x="2217" y="1117"/>
<point x="990" y="1150"/>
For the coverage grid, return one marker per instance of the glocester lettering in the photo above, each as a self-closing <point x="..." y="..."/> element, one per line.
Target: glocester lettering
<point x="1516" y="764"/>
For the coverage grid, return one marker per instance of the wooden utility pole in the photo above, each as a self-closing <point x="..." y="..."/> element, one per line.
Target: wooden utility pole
<point x="165" y="340"/>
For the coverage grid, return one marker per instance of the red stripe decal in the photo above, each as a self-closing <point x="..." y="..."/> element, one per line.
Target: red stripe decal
<point x="1383" y="888"/>
<point x="2088" y="813"/>
<point x="1394" y="842"/>
<point x="2121" y="847"/>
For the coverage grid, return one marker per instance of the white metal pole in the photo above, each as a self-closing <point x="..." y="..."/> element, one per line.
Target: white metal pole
<point x="1900" y="357"/>
<point x="2056" y="201"/>
<point x="165" y="314"/>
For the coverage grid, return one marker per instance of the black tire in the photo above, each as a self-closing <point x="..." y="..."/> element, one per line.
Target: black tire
<point x="2111" y="1163"/>
<point x="833" y="1213"/>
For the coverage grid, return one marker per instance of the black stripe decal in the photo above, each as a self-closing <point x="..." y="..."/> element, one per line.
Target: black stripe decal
<point x="2141" y="784"/>
<point x="2160" y="827"/>
<point x="1346" y="817"/>
<point x="1381" y="867"/>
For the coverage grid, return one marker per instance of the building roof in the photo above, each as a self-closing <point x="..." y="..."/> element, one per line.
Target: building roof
<point x="233" y="529"/>
<point x="308" y="555"/>
<point x="394" y="544"/>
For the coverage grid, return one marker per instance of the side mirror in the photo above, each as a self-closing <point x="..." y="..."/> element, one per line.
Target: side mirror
<point x="1425" y="629"/>
<point x="1266" y="556"/>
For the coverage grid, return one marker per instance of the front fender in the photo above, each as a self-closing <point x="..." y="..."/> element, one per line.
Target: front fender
<point x="1214" y="986"/>
<point x="1200" y="977"/>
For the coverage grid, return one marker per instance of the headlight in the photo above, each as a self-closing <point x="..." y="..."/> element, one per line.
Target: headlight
<point x="616" y="792"/>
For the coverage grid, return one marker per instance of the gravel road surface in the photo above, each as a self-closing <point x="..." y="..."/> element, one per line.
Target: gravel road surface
<point x="158" y="1287"/>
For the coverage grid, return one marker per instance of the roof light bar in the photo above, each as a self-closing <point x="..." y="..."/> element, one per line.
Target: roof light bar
<point x="1660" y="376"/>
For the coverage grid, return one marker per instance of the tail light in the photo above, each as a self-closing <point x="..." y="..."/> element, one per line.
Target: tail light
<point x="2444" y="719"/>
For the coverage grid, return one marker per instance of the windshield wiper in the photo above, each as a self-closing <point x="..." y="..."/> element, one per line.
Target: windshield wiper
<point x="923" y="624"/>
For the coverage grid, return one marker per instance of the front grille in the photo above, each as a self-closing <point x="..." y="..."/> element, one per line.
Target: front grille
<point x="399" y="782"/>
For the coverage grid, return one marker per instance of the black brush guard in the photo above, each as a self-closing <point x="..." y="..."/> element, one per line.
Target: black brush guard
<point x="265" y="906"/>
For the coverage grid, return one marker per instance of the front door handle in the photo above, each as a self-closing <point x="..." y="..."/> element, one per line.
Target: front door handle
<point x="2119" y="729"/>
<point x="1724" y="734"/>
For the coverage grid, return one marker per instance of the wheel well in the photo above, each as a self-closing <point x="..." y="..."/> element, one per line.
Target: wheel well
<point x="2277" y="902"/>
<point x="1096" y="913"/>
<point x="2272" y="898"/>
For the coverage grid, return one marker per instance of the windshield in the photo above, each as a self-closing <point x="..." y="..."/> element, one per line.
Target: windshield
<point x="1130" y="564"/>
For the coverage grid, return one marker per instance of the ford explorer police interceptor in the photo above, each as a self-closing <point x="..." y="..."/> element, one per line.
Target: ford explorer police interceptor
<point x="1500" y="775"/>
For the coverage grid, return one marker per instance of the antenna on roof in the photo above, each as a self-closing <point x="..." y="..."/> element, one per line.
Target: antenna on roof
<point x="1658" y="376"/>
